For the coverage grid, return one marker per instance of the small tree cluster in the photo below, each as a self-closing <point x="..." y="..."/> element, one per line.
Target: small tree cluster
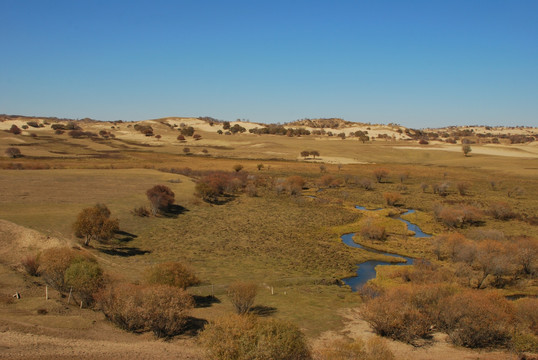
<point x="95" y="223"/>
<point x="248" y="337"/>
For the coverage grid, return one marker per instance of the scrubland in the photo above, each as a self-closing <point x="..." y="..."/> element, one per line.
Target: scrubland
<point x="273" y="222"/>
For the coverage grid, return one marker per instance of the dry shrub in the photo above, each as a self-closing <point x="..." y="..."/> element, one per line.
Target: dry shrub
<point x="251" y="190"/>
<point x="13" y="152"/>
<point x="172" y="274"/>
<point x="486" y="234"/>
<point x="54" y="262"/>
<point x="161" y="309"/>
<point x="405" y="313"/>
<point x="248" y="337"/>
<point x="30" y="264"/>
<point x="375" y="348"/>
<point x="141" y="211"/>
<point x="477" y="319"/>
<point x="501" y="210"/>
<point x="365" y="183"/>
<point x="242" y="295"/>
<point x="463" y="187"/>
<point x="294" y="184"/>
<point x="380" y="174"/>
<point x="424" y="187"/>
<point x="525" y="255"/>
<point x="458" y="216"/>
<point x="392" y="198"/>
<point x="372" y="229"/>
<point x="527" y="314"/>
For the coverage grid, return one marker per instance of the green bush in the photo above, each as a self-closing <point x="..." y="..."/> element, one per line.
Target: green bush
<point x="85" y="277"/>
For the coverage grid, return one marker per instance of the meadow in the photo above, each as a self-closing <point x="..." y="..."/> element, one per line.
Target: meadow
<point x="288" y="244"/>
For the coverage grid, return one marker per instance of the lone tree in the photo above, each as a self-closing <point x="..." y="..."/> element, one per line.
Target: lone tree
<point x="160" y="198"/>
<point x="95" y="223"/>
<point x="466" y="149"/>
<point x="13" y="152"/>
<point x="314" y="153"/>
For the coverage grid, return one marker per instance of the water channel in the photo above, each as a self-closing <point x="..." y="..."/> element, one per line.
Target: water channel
<point x="366" y="270"/>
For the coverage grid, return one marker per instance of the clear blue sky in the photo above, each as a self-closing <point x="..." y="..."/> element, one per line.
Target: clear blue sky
<point x="416" y="63"/>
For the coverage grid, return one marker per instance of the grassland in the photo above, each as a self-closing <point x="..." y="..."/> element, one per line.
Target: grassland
<point x="289" y="245"/>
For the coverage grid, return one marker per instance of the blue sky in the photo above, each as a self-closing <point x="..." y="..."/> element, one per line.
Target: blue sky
<point x="416" y="63"/>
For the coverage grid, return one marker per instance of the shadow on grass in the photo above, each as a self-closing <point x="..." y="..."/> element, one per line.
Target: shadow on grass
<point x="194" y="326"/>
<point x="205" y="301"/>
<point x="125" y="251"/>
<point x="261" y="310"/>
<point x="173" y="211"/>
<point x="124" y="236"/>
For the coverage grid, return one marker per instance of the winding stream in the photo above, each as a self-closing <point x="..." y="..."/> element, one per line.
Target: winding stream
<point x="366" y="270"/>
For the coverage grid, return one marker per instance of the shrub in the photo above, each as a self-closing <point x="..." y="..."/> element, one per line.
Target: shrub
<point x="259" y="167"/>
<point x="466" y="149"/>
<point x="373" y="230"/>
<point x="457" y="216"/>
<point x="161" y="309"/>
<point x="33" y="124"/>
<point x="405" y="313"/>
<point x="85" y="277"/>
<point x="526" y="314"/>
<point x="15" y="130"/>
<point x="392" y="198"/>
<point x="141" y="211"/>
<point x="160" y="198"/>
<point x="95" y="223"/>
<point x="181" y="138"/>
<point x="197" y="137"/>
<point x="172" y="274"/>
<point x="366" y="183"/>
<point x="53" y="264"/>
<point x="463" y="187"/>
<point x="423" y="142"/>
<point x="238" y="167"/>
<point x="30" y="264"/>
<point x="13" y="152"/>
<point x="380" y="174"/>
<point x="247" y="337"/>
<point x="424" y="187"/>
<point x="476" y="318"/>
<point x="501" y="210"/>
<point x="242" y="295"/>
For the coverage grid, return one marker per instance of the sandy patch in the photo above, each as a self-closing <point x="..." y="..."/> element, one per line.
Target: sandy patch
<point x="17" y="241"/>
<point x="529" y="152"/>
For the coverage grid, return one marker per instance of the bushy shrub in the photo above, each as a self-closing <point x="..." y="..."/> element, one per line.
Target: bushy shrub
<point x="85" y="277"/>
<point x="457" y="216"/>
<point x="405" y="313"/>
<point x="247" y="337"/>
<point x="242" y="295"/>
<point x="15" y="130"/>
<point x="392" y="198"/>
<point x="141" y="211"/>
<point x="501" y="210"/>
<point x="172" y="274"/>
<point x="372" y="229"/>
<point x="161" y="309"/>
<point x="476" y="319"/>
<point x="463" y="187"/>
<point x="13" y="152"/>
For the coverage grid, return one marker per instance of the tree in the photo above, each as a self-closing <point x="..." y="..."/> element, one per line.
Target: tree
<point x="160" y="198"/>
<point x="314" y="153"/>
<point x="242" y="295"/>
<point x="305" y="154"/>
<point x="85" y="276"/>
<point x="466" y="149"/>
<point x="15" y="130"/>
<point x="13" y="152"/>
<point x="95" y="223"/>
